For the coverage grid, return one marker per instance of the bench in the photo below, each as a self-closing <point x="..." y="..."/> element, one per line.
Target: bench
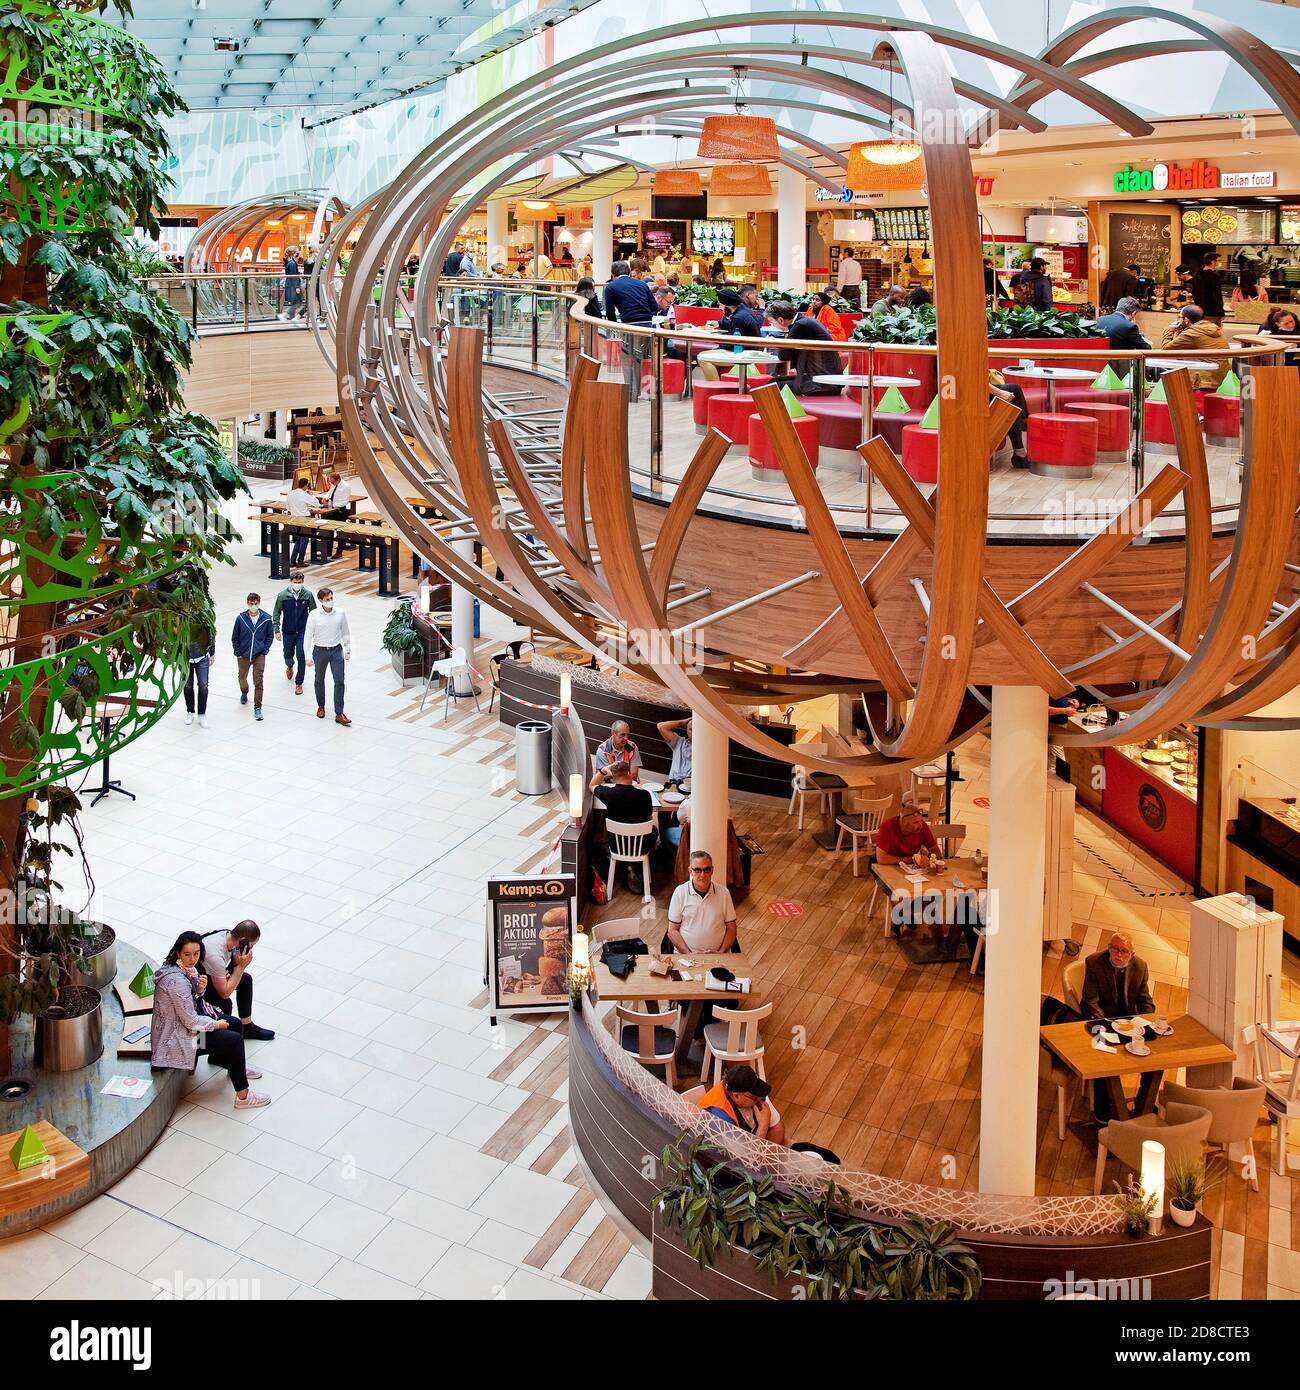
<point x="376" y="542"/>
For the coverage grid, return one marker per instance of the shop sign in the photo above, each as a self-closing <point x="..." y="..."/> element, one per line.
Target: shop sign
<point x="1261" y="179"/>
<point x="530" y="942"/>
<point x="983" y="184"/>
<point x="825" y="195"/>
<point x="1162" y="177"/>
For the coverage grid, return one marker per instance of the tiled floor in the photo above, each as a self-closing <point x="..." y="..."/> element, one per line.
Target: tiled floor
<point x="412" y="1151"/>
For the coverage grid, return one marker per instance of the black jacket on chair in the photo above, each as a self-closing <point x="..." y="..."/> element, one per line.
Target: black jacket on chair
<point x="1100" y="997"/>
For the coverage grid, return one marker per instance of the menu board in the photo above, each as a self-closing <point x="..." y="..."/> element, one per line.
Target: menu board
<point x="1289" y="214"/>
<point x="530" y="943"/>
<point x="716" y="237"/>
<point x="902" y="224"/>
<point x="1141" y="238"/>
<point x="1227" y="226"/>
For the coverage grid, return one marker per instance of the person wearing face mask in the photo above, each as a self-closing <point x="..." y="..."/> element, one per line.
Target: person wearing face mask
<point x="329" y="641"/>
<point x="292" y="606"/>
<point x="251" y="639"/>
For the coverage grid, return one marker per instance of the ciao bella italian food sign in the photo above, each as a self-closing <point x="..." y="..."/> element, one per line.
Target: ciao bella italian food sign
<point x="530" y="943"/>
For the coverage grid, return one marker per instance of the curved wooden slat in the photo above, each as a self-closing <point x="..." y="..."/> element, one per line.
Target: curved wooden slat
<point x="573" y="472"/>
<point x="1198" y="519"/>
<point x="695" y="481"/>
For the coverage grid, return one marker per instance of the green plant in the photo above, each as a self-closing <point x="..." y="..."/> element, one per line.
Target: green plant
<point x="920" y="326"/>
<point x="1187" y="1183"/>
<point x="697" y="296"/>
<point x="258" y="451"/>
<point x="902" y="325"/>
<point x="400" y="635"/>
<point x="1136" y="1207"/>
<point x="110" y="492"/>
<point x="815" y="1241"/>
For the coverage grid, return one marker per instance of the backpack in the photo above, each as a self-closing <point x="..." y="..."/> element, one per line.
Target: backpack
<point x="1023" y="293"/>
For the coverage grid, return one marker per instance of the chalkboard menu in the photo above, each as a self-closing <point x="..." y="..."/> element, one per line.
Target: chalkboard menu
<point x="1143" y="239"/>
<point x="902" y="224"/>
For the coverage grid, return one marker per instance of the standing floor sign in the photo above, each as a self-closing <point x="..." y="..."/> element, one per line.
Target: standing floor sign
<point x="529" y="943"/>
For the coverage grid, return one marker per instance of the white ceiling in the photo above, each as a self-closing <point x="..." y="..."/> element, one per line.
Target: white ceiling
<point x="326" y="54"/>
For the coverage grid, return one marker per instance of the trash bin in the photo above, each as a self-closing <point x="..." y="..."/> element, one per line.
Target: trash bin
<point x="532" y="757"/>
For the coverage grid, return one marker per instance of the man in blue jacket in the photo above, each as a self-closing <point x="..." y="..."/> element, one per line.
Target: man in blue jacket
<point x="1121" y="328"/>
<point x="290" y="618"/>
<point x="628" y="299"/>
<point x="251" y="639"/>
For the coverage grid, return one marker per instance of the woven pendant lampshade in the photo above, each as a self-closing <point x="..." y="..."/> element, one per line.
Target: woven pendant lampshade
<point x="740" y="181"/>
<point x="877" y="164"/>
<point x="738" y="137"/>
<point x="678" y="183"/>
<point x="535" y="210"/>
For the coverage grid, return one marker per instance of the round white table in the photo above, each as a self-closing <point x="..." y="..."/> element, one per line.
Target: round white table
<point x="1051" y="375"/>
<point x="751" y="357"/>
<point x="867" y="383"/>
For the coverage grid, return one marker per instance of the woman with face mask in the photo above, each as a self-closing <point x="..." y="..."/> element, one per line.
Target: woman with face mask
<point x="180" y="1015"/>
<point x="251" y="639"/>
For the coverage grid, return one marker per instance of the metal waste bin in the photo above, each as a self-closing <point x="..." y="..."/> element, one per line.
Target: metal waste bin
<point x="532" y="757"/>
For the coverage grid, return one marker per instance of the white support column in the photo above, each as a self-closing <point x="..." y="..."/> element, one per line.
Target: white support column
<point x="602" y="238"/>
<point x="791" y="229"/>
<point x="710" y="805"/>
<point x="1014" y="947"/>
<point x="282" y="427"/>
<point x="462" y="611"/>
<point x="498" y="234"/>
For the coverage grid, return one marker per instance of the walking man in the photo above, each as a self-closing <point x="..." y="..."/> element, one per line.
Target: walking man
<point x="292" y="605"/>
<point x="330" y="643"/>
<point x="202" y="655"/>
<point x="251" y="639"/>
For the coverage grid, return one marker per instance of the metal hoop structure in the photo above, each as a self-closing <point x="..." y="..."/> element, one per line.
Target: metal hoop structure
<point x="411" y="390"/>
<point x="245" y="224"/>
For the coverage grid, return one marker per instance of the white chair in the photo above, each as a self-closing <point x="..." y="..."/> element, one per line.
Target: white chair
<point x="695" y="1094"/>
<point x="1055" y="1071"/>
<point x="1072" y="978"/>
<point x="1281" y="1082"/>
<point x="861" y="824"/>
<point x="615" y="929"/>
<point x="630" y="844"/>
<point x="651" y="1038"/>
<point x="734" y="1037"/>
<point x="801" y="787"/>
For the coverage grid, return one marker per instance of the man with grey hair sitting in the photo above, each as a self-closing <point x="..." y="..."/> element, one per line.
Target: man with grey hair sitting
<point x="1121" y="330"/>
<point x="617" y="748"/>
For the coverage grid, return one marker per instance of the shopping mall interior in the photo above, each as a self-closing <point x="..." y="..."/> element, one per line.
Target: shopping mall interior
<point x="522" y="520"/>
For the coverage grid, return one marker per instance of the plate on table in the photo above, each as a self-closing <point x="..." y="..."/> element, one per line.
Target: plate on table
<point x="672" y="798"/>
<point x="685" y="786"/>
<point x="652" y="786"/>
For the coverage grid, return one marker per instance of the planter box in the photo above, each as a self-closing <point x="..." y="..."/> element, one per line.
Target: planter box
<point x="409" y="667"/>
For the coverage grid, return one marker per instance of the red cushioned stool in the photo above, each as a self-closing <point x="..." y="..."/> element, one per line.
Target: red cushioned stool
<point x="729" y="415"/>
<point x="1223" y="416"/>
<point x="1158" y="430"/>
<point x="613" y="353"/>
<point x="753" y="380"/>
<point x="762" y="456"/>
<point x="1112" y="428"/>
<point x="921" y="453"/>
<point x="674" y="376"/>
<point x="1062" y="446"/>
<point x="704" y="392"/>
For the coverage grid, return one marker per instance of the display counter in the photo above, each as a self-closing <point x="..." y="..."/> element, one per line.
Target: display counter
<point x="1149" y="793"/>
<point x="1263" y="859"/>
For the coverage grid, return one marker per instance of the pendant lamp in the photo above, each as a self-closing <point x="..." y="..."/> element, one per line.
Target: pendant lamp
<point x="875" y="164"/>
<point x="535" y="210"/>
<point x="740" y="181"/>
<point x="738" y="136"/>
<point x="678" y="183"/>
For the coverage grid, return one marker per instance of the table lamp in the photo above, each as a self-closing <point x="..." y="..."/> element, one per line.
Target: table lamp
<point x="1153" y="1182"/>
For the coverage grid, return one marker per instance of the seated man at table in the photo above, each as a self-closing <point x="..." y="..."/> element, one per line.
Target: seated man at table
<point x="741" y="1099"/>
<point x="806" y="364"/>
<point x="701" y="915"/>
<point x="1192" y="331"/>
<point x="628" y="804"/>
<point x="676" y="733"/>
<point x="898" y="841"/>
<point x="617" y="748"/>
<point x="1116" y="982"/>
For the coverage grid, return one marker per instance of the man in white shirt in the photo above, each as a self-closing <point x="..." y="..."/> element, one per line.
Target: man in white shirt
<point x="300" y="505"/>
<point x="849" y="282"/>
<point x="701" y="915"/>
<point x="329" y="641"/>
<point x="676" y="733"/>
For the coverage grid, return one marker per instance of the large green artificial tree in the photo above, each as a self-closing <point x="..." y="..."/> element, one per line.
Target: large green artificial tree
<point x="110" y="492"/>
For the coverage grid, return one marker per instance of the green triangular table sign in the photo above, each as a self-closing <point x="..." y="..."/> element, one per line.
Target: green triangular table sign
<point x="892" y="403"/>
<point x="28" y="1152"/>
<point x="930" y="420"/>
<point x="142" y="985"/>
<point x="793" y="408"/>
<point x="1158" y="394"/>
<point x="1230" y="385"/>
<point x="1108" y="381"/>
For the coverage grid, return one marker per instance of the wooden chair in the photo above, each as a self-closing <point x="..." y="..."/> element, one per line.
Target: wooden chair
<point x="861" y="824"/>
<point x="1055" y="1071"/>
<point x="1277" y="1069"/>
<point x="950" y="839"/>
<point x="801" y="787"/>
<point x="1072" y="984"/>
<point x="1182" y="1131"/>
<point x="651" y="1038"/>
<point x="615" y="929"/>
<point x="630" y="844"/>
<point x="734" y="1037"/>
<point x="1234" y="1110"/>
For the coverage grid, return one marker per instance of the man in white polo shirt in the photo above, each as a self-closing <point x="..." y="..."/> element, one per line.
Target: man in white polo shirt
<point x="701" y="915"/>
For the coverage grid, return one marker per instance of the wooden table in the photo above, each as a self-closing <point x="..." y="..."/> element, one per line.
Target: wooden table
<point x="899" y="888"/>
<point x="642" y="986"/>
<point x="1191" y="1044"/>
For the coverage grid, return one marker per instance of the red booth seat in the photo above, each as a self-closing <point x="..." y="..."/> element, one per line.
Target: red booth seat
<point x="674" y="376"/>
<point x="1112" y="428"/>
<point x="704" y="392"/>
<point x="1223" y="416"/>
<point x="697" y="314"/>
<point x="1062" y="446"/>
<point x="762" y="456"/>
<point x="753" y="380"/>
<point x="841" y="420"/>
<point x="921" y="453"/>
<point x="729" y="414"/>
<point x="919" y="367"/>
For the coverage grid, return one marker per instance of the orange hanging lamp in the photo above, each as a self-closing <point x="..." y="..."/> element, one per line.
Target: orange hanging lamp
<point x="677" y="182"/>
<point x="875" y="164"/>
<point x="535" y="210"/>
<point x="740" y="181"/>
<point x="740" y="135"/>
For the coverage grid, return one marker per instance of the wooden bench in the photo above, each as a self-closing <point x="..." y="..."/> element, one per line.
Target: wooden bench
<point x="377" y="544"/>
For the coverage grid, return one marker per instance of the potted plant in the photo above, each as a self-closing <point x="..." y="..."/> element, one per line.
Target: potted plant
<point x="1187" y="1184"/>
<point x="1136" y="1208"/>
<point x="106" y="481"/>
<point x="404" y="644"/>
